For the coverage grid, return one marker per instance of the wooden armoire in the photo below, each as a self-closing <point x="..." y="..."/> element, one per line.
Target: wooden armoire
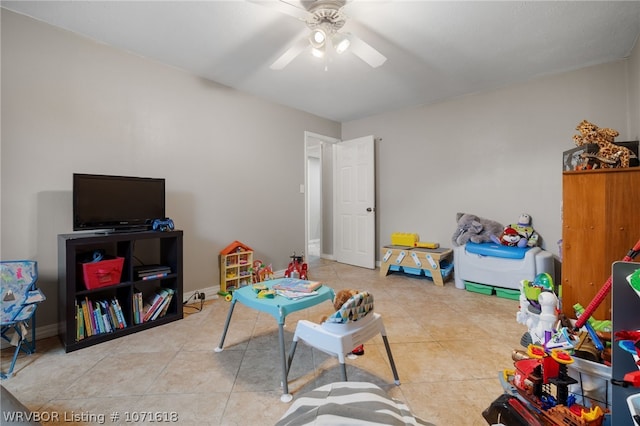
<point x="600" y="224"/>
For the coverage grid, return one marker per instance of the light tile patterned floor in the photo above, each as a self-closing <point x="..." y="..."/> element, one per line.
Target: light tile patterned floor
<point x="448" y="344"/>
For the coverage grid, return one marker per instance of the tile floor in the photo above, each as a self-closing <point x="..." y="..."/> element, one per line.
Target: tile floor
<point x="448" y="345"/>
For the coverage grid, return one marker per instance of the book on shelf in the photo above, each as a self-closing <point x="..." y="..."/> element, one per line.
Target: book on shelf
<point x="85" y="315"/>
<point x="79" y="322"/>
<point x="149" y="306"/>
<point x="140" y="307"/>
<point x="136" y="306"/>
<point x="88" y="316"/>
<point x="94" y="317"/>
<point x="154" y="303"/>
<point x="164" y="306"/>
<point x="97" y="316"/>
<point x="297" y="285"/>
<point x="154" y="276"/>
<point x="113" y="315"/>
<point x="146" y="272"/>
<point x="122" y="323"/>
<point x="109" y="316"/>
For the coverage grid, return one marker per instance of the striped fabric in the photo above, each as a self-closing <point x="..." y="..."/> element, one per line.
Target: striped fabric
<point x="348" y="403"/>
<point x="356" y="307"/>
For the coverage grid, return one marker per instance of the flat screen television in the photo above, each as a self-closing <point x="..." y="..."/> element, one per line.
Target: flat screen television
<point x="116" y="202"/>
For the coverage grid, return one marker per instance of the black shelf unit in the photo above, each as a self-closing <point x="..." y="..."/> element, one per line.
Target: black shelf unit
<point x="137" y="248"/>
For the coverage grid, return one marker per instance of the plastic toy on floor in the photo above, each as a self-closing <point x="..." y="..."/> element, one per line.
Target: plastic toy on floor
<point x="297" y="267"/>
<point x="261" y="272"/>
<point x="538" y="309"/>
<point x="536" y="401"/>
<point x="598" y="325"/>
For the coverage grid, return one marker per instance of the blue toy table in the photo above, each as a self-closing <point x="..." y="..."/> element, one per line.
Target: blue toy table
<point x="278" y="307"/>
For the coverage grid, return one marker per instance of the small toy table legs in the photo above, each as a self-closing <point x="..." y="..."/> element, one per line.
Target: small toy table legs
<point x="226" y="327"/>
<point x="278" y="307"/>
<point x="286" y="396"/>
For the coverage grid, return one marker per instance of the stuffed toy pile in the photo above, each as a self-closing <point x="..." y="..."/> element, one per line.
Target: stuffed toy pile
<point x="519" y="234"/>
<point x="609" y="155"/>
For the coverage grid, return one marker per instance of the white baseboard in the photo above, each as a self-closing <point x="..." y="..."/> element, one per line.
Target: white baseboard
<point x="43" y="332"/>
<point x="212" y="292"/>
<point x="209" y="293"/>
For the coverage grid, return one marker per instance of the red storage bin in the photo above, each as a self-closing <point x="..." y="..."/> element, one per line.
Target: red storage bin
<point x="103" y="273"/>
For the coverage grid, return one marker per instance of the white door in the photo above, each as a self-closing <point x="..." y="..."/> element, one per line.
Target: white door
<point x="354" y="207"/>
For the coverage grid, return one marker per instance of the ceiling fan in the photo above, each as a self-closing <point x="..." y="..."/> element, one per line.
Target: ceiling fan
<point x="325" y="19"/>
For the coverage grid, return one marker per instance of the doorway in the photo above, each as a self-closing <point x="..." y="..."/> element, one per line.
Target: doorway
<point x="319" y="196"/>
<point x="352" y="238"/>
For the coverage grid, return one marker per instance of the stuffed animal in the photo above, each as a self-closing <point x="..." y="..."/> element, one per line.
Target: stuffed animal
<point x="342" y="296"/>
<point x="519" y="234"/>
<point x="339" y="299"/>
<point x="509" y="237"/>
<point x="475" y="229"/>
<point x="609" y="154"/>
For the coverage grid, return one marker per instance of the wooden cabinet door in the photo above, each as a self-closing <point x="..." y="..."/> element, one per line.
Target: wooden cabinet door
<point x="601" y="222"/>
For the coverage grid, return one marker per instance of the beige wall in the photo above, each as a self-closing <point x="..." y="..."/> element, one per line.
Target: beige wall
<point x="233" y="163"/>
<point x="634" y="93"/>
<point x="494" y="154"/>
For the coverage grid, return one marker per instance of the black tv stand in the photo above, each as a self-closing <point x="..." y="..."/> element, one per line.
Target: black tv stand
<point x="162" y="248"/>
<point x="123" y="230"/>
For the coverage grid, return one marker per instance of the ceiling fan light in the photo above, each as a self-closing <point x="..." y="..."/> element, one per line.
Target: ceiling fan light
<point x="318" y="53"/>
<point x="318" y="38"/>
<point x="341" y="43"/>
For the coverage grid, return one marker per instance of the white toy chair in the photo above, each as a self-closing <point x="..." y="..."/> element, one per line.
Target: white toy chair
<point x="352" y="325"/>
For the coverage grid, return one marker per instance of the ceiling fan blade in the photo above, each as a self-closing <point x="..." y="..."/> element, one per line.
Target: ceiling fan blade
<point x="365" y="52"/>
<point x="290" y="54"/>
<point x="285" y="7"/>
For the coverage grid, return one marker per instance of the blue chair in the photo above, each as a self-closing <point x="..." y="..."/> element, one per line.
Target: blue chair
<point x="20" y="298"/>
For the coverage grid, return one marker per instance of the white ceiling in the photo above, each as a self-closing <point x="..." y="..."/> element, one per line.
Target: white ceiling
<point x="435" y="50"/>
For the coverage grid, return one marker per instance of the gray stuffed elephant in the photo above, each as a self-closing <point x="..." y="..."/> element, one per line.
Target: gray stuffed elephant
<point x="475" y="229"/>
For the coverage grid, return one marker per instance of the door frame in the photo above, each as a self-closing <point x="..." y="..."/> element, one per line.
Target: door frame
<point x="326" y="143"/>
